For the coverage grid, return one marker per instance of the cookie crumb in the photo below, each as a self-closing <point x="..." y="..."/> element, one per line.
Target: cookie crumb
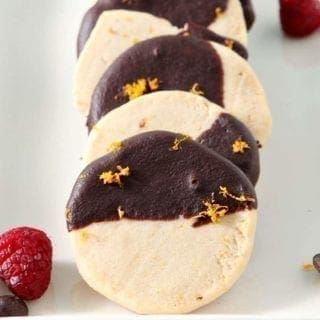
<point x="185" y="34"/>
<point x="199" y="298"/>
<point x="178" y="141"/>
<point x="242" y="198"/>
<point x="307" y="267"/>
<point x="120" y="212"/>
<point x="239" y="146"/>
<point x="110" y="177"/>
<point x="195" y="89"/>
<point x="114" y="146"/>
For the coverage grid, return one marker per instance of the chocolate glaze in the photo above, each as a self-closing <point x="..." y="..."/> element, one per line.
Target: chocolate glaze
<point x="248" y="12"/>
<point x="162" y="185"/>
<point x="177" y="61"/>
<point x="220" y="138"/>
<point x="201" y="32"/>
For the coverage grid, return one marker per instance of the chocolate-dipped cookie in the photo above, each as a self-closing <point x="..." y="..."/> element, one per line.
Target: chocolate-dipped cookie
<point x="162" y="225"/>
<point x="188" y="64"/>
<point x="177" y="111"/>
<point x="222" y="16"/>
<point x="118" y="30"/>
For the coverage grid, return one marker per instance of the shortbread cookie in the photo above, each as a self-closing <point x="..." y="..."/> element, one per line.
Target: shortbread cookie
<point x="163" y="225"/>
<point x="224" y="17"/>
<point x="187" y="64"/>
<point x="118" y="30"/>
<point x="177" y="111"/>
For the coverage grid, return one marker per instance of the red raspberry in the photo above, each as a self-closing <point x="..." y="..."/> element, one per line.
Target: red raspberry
<point x="299" y="18"/>
<point x="26" y="261"/>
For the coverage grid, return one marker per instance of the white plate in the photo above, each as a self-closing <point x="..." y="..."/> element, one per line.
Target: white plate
<point x="42" y="138"/>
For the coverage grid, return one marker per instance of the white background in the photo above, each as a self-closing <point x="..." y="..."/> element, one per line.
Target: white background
<point x="42" y="138"/>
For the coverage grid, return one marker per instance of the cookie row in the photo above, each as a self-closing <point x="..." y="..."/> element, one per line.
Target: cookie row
<point x="162" y="218"/>
<point x="204" y="67"/>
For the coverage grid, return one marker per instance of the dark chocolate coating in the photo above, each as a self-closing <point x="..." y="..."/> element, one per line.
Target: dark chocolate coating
<point x="220" y="138"/>
<point x="177" y="61"/>
<point x="248" y="12"/>
<point x="162" y="185"/>
<point x="11" y="306"/>
<point x="178" y="12"/>
<point x="200" y="32"/>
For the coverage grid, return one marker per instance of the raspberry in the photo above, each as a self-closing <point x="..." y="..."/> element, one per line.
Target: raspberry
<point x="299" y="18"/>
<point x="26" y="262"/>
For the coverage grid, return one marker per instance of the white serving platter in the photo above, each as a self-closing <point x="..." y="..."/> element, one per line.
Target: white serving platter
<point x="42" y="138"/>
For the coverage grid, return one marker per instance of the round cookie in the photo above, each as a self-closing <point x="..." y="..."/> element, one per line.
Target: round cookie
<point x="188" y="64"/>
<point x="118" y="30"/>
<point x="163" y="225"/>
<point x="222" y="16"/>
<point x="177" y="111"/>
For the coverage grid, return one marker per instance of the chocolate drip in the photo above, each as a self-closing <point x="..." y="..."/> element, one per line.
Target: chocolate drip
<point x="221" y="137"/>
<point x="164" y="183"/>
<point x="177" y="62"/>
